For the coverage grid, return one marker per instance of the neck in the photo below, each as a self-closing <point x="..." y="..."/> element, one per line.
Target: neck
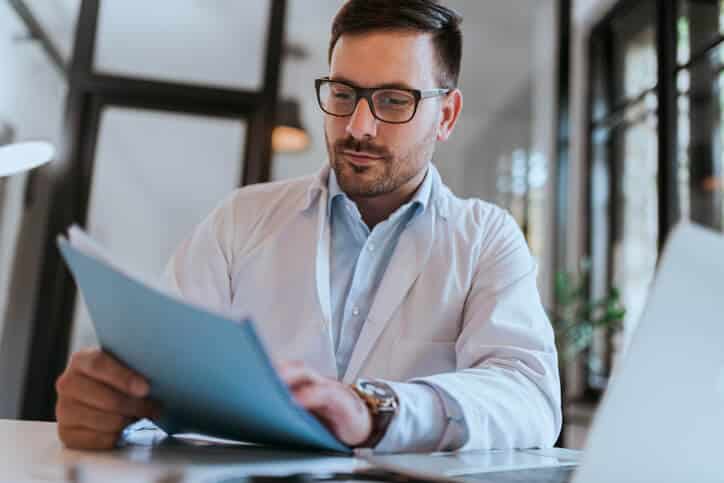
<point x="376" y="209"/>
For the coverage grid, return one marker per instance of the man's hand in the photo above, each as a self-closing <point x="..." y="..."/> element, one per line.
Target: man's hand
<point x="336" y="405"/>
<point x="98" y="397"/>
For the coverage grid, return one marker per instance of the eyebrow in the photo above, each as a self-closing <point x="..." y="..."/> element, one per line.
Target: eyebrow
<point x="388" y="85"/>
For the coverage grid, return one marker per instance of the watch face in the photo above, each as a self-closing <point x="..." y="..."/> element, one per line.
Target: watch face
<point x="374" y="389"/>
<point x="385" y="397"/>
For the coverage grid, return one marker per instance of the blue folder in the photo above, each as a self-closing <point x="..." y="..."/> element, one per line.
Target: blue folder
<point x="211" y="374"/>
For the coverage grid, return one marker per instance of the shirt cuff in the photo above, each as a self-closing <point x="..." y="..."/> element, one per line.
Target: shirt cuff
<point x="456" y="430"/>
<point x="421" y="423"/>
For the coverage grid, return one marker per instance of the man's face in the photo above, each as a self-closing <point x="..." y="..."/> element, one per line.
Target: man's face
<point x="371" y="157"/>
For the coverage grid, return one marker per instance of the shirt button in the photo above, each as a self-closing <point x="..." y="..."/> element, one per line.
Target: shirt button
<point x="355" y="311"/>
<point x="371" y="247"/>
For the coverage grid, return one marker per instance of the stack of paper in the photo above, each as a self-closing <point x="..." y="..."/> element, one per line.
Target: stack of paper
<point x="211" y="374"/>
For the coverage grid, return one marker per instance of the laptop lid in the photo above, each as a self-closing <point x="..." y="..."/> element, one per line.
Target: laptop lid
<point x="662" y="418"/>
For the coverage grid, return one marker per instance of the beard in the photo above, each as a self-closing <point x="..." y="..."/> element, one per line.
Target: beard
<point x="386" y="174"/>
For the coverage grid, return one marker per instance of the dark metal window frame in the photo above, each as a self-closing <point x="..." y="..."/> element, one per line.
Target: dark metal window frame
<point x="89" y="94"/>
<point x="563" y="137"/>
<point x="664" y="23"/>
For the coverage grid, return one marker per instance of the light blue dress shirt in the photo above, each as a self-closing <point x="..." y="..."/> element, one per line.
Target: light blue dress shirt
<point x="359" y="258"/>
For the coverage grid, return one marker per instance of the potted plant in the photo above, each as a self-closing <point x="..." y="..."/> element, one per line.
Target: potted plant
<point x="576" y="315"/>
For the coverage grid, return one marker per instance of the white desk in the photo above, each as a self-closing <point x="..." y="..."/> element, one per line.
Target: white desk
<point x="31" y="452"/>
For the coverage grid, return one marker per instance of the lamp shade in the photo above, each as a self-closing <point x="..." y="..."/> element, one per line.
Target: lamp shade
<point x="289" y="136"/>
<point x="18" y="157"/>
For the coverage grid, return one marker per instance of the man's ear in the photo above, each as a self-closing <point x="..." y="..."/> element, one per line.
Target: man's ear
<point x="451" y="107"/>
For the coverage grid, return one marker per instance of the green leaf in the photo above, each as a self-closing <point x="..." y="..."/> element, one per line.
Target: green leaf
<point x="577" y="315"/>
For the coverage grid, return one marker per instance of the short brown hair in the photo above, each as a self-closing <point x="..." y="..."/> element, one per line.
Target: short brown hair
<point x="426" y="16"/>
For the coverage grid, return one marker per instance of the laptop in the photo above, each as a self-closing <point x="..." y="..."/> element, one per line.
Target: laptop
<point x="662" y="418"/>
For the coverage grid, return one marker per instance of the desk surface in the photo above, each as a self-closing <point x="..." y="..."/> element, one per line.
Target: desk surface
<point x="31" y="452"/>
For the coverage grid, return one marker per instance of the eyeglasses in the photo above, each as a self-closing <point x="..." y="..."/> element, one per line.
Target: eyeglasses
<point x="394" y="106"/>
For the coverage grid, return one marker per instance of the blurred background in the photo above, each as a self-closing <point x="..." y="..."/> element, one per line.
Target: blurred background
<point x="596" y="123"/>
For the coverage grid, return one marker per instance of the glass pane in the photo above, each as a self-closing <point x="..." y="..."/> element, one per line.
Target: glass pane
<point x="600" y="88"/>
<point x="211" y="43"/>
<point x="699" y="23"/>
<point x="634" y="112"/>
<point x="537" y="204"/>
<point x="600" y="216"/>
<point x="683" y="136"/>
<point x="58" y="19"/>
<point x="156" y="176"/>
<point x="600" y="211"/>
<point x="635" y="249"/>
<point x="624" y="167"/>
<point x="700" y="143"/>
<point x="634" y="46"/>
<point x="711" y="61"/>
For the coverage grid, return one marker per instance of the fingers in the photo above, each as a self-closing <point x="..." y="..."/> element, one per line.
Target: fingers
<point x="322" y="402"/>
<point x="78" y="388"/>
<point x="333" y="403"/>
<point x="296" y="374"/>
<point x="315" y="399"/>
<point x="77" y="415"/>
<point x="103" y="367"/>
<point x="98" y="397"/>
<point x="81" y="438"/>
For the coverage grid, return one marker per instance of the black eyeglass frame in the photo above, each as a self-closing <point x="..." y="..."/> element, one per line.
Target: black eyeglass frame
<point x="367" y="92"/>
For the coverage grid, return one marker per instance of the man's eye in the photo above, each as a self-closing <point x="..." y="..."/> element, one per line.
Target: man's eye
<point x="342" y="96"/>
<point x="395" y="101"/>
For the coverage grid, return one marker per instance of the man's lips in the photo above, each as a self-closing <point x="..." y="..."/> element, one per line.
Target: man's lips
<point x="360" y="158"/>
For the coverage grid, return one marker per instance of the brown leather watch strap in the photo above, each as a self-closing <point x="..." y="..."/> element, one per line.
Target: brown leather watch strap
<point x="380" y="422"/>
<point x="382" y="411"/>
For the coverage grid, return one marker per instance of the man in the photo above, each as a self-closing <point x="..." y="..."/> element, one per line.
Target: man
<point x="402" y="317"/>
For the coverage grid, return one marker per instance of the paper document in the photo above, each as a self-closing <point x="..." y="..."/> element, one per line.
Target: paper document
<point x="211" y="374"/>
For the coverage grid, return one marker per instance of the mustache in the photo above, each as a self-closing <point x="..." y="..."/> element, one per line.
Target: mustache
<point x="351" y="144"/>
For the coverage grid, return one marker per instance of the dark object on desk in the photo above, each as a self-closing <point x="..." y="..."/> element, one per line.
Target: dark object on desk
<point x="558" y="474"/>
<point x="372" y="474"/>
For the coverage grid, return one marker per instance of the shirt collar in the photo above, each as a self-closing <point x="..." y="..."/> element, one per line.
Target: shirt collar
<point x="432" y="190"/>
<point x="419" y="201"/>
<point x="334" y="190"/>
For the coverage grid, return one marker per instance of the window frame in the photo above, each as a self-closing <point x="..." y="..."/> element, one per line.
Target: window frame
<point x="601" y="36"/>
<point x="89" y="93"/>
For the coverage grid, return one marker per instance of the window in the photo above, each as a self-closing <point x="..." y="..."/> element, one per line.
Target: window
<point x="655" y="152"/>
<point x="111" y="101"/>
<point x="699" y="83"/>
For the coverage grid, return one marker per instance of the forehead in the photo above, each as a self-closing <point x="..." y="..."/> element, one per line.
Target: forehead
<point x="386" y="57"/>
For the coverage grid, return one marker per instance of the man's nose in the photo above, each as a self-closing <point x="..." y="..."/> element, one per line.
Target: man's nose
<point x="362" y="124"/>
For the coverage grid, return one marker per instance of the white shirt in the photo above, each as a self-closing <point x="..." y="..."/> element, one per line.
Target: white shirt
<point x="457" y="308"/>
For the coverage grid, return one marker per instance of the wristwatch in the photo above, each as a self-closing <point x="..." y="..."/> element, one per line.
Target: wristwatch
<point x="382" y="403"/>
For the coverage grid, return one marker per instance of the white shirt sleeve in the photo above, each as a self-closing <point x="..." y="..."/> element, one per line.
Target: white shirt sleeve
<point x="199" y="269"/>
<point x="427" y="420"/>
<point x="507" y="380"/>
